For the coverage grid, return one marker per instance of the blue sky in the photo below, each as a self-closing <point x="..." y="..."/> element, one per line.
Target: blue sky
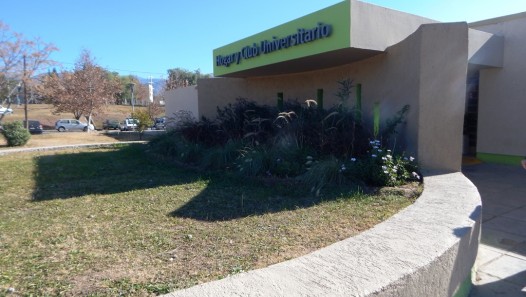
<point x="145" y="38"/>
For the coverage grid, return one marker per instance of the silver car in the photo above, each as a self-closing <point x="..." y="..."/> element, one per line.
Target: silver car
<point x="71" y="125"/>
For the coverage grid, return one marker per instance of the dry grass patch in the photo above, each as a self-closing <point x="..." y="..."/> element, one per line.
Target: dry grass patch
<point x="118" y="222"/>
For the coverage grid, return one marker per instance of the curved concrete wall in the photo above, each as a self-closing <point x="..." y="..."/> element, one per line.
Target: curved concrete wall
<point x="428" y="249"/>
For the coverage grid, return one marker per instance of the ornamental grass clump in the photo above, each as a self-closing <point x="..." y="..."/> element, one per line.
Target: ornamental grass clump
<point x="322" y="173"/>
<point x="253" y="161"/>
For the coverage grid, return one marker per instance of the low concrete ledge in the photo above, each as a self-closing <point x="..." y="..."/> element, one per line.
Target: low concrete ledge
<point x="427" y="249"/>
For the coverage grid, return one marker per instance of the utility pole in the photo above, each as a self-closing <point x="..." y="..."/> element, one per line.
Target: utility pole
<point x="26" y="124"/>
<point x="132" y="85"/>
<point x="150" y="97"/>
<point x="19" y="87"/>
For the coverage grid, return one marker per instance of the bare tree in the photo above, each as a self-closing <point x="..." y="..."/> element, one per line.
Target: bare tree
<point x="13" y="49"/>
<point x="21" y="59"/>
<point x="140" y="91"/>
<point x="155" y="109"/>
<point x="84" y="91"/>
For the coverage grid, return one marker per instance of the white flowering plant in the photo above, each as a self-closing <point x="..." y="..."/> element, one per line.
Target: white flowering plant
<point x="383" y="168"/>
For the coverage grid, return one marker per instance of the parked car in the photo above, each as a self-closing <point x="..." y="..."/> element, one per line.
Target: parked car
<point x="128" y="124"/>
<point x="5" y="110"/>
<point x="34" y="127"/>
<point x="110" y="124"/>
<point x="159" y="123"/>
<point x="72" y="125"/>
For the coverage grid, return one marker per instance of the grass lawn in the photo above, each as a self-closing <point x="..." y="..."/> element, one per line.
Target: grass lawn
<point x="72" y="138"/>
<point x="65" y="138"/>
<point x="119" y="222"/>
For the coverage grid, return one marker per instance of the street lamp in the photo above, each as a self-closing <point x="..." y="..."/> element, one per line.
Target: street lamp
<point x="132" y="86"/>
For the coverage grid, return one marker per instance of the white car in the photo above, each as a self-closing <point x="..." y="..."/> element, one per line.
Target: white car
<point x="128" y="124"/>
<point x="5" y="110"/>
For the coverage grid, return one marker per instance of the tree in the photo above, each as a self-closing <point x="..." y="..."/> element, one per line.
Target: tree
<point x="123" y="96"/>
<point x="84" y="91"/>
<point x="21" y="59"/>
<point x="155" y="109"/>
<point x="180" y="77"/>
<point x="145" y="121"/>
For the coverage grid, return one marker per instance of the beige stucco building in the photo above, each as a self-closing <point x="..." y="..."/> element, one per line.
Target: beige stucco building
<point x="502" y="94"/>
<point x="462" y="81"/>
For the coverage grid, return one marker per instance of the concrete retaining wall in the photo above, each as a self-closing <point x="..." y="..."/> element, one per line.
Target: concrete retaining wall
<point x="428" y="249"/>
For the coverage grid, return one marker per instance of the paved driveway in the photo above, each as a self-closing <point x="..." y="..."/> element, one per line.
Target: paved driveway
<point x="501" y="259"/>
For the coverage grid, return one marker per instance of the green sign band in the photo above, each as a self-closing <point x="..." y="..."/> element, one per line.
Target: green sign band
<point x="320" y="32"/>
<point x="302" y="36"/>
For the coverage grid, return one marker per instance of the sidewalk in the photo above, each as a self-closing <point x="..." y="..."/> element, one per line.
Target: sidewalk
<point x="501" y="259"/>
<point x="62" y="147"/>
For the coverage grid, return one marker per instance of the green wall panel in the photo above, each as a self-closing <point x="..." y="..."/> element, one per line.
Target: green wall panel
<point x="465" y="288"/>
<point x="500" y="159"/>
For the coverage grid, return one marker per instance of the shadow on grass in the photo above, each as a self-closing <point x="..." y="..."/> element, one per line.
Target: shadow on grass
<point x="225" y="199"/>
<point x="134" y="135"/>
<point x="129" y="168"/>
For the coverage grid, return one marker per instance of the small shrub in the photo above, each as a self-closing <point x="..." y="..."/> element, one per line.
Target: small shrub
<point x="180" y="119"/>
<point x="15" y="134"/>
<point x="204" y="132"/>
<point x="144" y="121"/>
<point x="165" y="145"/>
<point x="174" y="146"/>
